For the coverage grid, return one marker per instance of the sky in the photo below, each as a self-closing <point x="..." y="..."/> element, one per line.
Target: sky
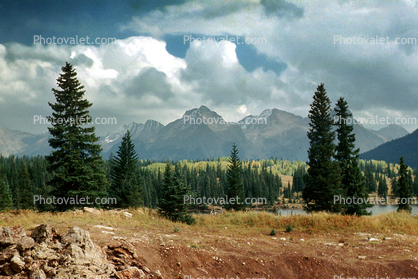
<point x="157" y="59"/>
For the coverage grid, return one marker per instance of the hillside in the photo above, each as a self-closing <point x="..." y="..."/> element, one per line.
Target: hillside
<point x="392" y="151"/>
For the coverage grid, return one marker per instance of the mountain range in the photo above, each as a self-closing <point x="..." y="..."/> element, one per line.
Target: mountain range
<point x="202" y="133"/>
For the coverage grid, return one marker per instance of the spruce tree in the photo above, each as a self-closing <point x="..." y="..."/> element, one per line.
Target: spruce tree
<point x="371" y="184"/>
<point x="172" y="204"/>
<point x="404" y="188"/>
<point x="76" y="164"/>
<point x="125" y="180"/>
<point x="26" y="200"/>
<point x="235" y="186"/>
<point x="6" y="199"/>
<point x="352" y="180"/>
<point x="382" y="189"/>
<point x="323" y="180"/>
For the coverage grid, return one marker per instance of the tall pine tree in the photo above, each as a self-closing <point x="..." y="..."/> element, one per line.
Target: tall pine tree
<point x="235" y="186"/>
<point x="382" y="189"/>
<point x="404" y="188"/>
<point x="323" y="180"/>
<point x="26" y="200"/>
<point x="78" y="168"/>
<point x="125" y="181"/>
<point x="352" y="179"/>
<point x="172" y="203"/>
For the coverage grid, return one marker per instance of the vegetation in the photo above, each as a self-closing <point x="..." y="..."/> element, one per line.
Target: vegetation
<point x="405" y="191"/>
<point x="173" y="205"/>
<point x="235" y="187"/>
<point x="6" y="198"/>
<point x="352" y="180"/>
<point x="260" y="178"/>
<point x="75" y="163"/>
<point x="323" y="180"/>
<point x="125" y="183"/>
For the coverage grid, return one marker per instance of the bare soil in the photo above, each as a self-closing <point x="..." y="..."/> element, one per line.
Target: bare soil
<point x="219" y="253"/>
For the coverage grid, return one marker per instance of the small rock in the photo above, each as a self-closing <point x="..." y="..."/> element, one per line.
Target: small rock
<point x="25" y="243"/>
<point x="8" y="253"/>
<point x="10" y="235"/>
<point x="146" y="269"/>
<point x="7" y="270"/>
<point x="131" y="272"/>
<point x="104" y="227"/>
<point x="91" y="210"/>
<point x="37" y="273"/>
<point x="45" y="233"/>
<point x="127" y="214"/>
<point x="17" y="264"/>
<point x="361" y="257"/>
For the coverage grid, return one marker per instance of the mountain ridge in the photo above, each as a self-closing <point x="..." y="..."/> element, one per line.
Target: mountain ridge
<point x="202" y="133"/>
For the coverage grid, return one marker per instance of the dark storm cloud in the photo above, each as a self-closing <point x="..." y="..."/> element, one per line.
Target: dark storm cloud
<point x="152" y="82"/>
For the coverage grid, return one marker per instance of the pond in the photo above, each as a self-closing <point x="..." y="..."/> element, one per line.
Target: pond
<point x="376" y="209"/>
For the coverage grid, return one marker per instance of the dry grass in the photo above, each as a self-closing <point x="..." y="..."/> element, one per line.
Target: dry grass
<point x="250" y="223"/>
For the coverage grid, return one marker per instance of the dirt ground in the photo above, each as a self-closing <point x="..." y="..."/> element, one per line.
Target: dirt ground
<point x="218" y="253"/>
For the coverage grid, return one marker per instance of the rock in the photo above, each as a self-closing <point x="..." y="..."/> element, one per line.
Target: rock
<point x="17" y="264"/>
<point x="25" y="243"/>
<point x="6" y="269"/>
<point x="158" y="274"/>
<point x="45" y="233"/>
<point x="48" y="255"/>
<point x="131" y="272"/>
<point x="37" y="273"/>
<point x="42" y="252"/>
<point x="91" y="210"/>
<point x="10" y="235"/>
<point x="80" y="250"/>
<point x="104" y="227"/>
<point x="78" y="237"/>
<point x="127" y="214"/>
<point x="361" y="257"/>
<point x="8" y="253"/>
<point x="76" y="255"/>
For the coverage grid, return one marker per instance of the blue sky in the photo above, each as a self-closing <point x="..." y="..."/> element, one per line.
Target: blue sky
<point x="150" y="72"/>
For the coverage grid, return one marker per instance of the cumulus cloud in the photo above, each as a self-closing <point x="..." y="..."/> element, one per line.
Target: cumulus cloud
<point x="137" y="78"/>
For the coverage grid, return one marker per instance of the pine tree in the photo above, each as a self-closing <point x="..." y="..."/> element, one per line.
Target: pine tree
<point x="404" y="188"/>
<point x="352" y="179"/>
<point x="6" y="199"/>
<point x="76" y="164"/>
<point x="323" y="180"/>
<point x="172" y="203"/>
<point x="371" y="184"/>
<point x="125" y="181"/>
<point x="235" y="186"/>
<point x="382" y="190"/>
<point x="26" y="200"/>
